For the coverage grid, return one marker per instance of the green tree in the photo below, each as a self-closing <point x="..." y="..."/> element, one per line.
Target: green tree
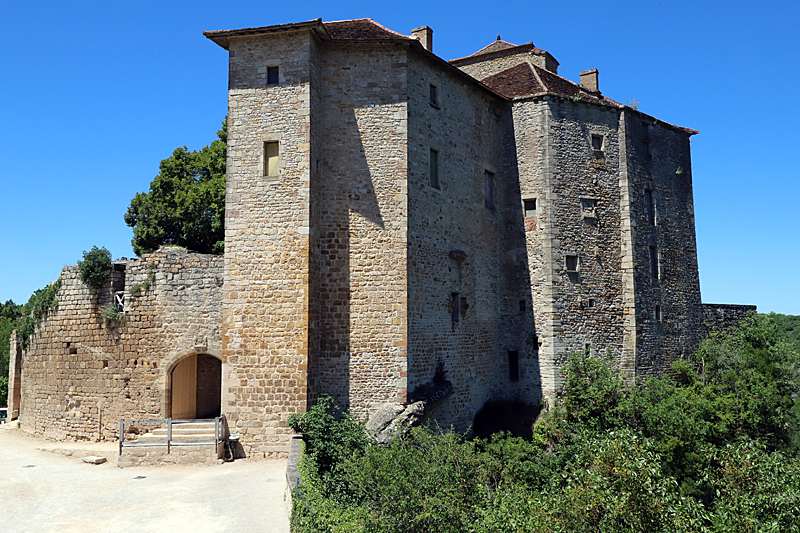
<point x="186" y="202"/>
<point x="10" y="315"/>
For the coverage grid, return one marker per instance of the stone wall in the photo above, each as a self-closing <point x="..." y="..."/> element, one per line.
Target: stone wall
<point x="265" y="324"/>
<point x="14" y="376"/>
<point x="455" y="243"/>
<point x="657" y="172"/>
<point x="80" y="377"/>
<point x="360" y="225"/>
<point x="719" y="317"/>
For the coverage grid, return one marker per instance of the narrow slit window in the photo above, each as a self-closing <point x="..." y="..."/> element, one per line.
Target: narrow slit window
<point x="522" y="306"/>
<point x="654" y="266"/>
<point x="591" y="302"/>
<point x="513" y="365"/>
<point x="271" y="158"/>
<point x="530" y="207"/>
<point x="272" y="76"/>
<point x="434" y="95"/>
<point x="488" y="189"/>
<point x="455" y="307"/>
<point x="651" y="207"/>
<point x="434" y="169"/>
<point x="658" y="313"/>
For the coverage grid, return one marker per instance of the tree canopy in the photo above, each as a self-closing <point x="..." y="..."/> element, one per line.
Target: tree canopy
<point x="186" y="202"/>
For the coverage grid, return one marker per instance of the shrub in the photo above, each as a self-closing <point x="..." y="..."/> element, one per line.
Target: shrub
<point x="113" y="315"/>
<point x="95" y="268"/>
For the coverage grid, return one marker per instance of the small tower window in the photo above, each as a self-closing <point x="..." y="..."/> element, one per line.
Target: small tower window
<point x="658" y="313"/>
<point x="270" y="158"/>
<point x="272" y="76"/>
<point x="571" y="263"/>
<point x="597" y="144"/>
<point x="434" y="169"/>
<point x="488" y="189"/>
<point x="654" y="263"/>
<point x="513" y="365"/>
<point x="434" y="95"/>
<point x="455" y="306"/>
<point x="651" y="207"/>
<point x="530" y="207"/>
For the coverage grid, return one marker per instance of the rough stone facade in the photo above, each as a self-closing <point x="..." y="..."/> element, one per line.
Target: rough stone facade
<point x="81" y="377"/>
<point x="719" y="317"/>
<point x="399" y="229"/>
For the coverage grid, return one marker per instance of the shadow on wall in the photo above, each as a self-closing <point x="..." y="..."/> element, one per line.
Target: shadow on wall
<point x="346" y="208"/>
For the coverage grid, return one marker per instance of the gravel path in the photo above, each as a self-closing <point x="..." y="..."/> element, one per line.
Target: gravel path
<point x="45" y="486"/>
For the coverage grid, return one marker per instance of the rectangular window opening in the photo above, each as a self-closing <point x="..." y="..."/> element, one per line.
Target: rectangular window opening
<point x="651" y="207"/>
<point x="588" y="348"/>
<point x="658" y="313"/>
<point x="522" y="306"/>
<point x="434" y="169"/>
<point x="591" y="302"/>
<point x="654" y="263"/>
<point x="488" y="189"/>
<point x="597" y="142"/>
<point x="513" y="365"/>
<point x="271" y="158"/>
<point x="434" y="95"/>
<point x="455" y="307"/>
<point x="272" y="75"/>
<point x="530" y="207"/>
<point x="571" y="263"/>
<point x="536" y="342"/>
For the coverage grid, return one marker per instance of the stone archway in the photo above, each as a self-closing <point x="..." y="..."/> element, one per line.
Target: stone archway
<point x="195" y="384"/>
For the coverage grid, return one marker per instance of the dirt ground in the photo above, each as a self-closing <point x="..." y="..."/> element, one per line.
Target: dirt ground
<point x="45" y="486"/>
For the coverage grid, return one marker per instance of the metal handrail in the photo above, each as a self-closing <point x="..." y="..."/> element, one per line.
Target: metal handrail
<point x="220" y="432"/>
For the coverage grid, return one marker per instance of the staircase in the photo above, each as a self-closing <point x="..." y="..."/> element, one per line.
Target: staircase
<point x="187" y="442"/>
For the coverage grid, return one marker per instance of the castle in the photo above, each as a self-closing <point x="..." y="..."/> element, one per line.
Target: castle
<point x="392" y="219"/>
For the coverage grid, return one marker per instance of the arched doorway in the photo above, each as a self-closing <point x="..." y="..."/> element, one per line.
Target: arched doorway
<point x="196" y="386"/>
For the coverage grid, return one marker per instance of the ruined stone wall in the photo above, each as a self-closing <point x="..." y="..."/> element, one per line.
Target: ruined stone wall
<point x="80" y="377"/>
<point x="266" y="309"/>
<point x="482" y="67"/>
<point x="718" y="317"/>
<point x="454" y="239"/>
<point x="658" y="171"/>
<point x="360" y="226"/>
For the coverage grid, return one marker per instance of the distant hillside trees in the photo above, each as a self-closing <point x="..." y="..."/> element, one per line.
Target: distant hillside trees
<point x="10" y="314"/>
<point x="186" y="202"/>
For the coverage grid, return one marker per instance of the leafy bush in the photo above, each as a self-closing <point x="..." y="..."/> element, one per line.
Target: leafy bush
<point x="41" y="302"/>
<point x="704" y="449"/>
<point x="95" y="268"/>
<point x="113" y="315"/>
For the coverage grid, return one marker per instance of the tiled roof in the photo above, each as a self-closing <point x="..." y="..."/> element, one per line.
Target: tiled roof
<point x="500" y="48"/>
<point x="362" y="30"/>
<point x="526" y="78"/>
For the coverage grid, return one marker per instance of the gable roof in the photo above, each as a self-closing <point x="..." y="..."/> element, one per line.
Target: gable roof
<point x="364" y="30"/>
<point x="500" y="48"/>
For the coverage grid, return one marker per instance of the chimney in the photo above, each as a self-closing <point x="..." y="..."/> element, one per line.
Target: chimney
<point x="589" y="80"/>
<point x="425" y="37"/>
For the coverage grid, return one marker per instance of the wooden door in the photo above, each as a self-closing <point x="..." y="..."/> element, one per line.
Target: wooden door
<point x="184" y="388"/>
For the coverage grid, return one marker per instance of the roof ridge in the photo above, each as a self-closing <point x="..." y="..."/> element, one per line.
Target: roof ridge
<point x="536" y="75"/>
<point x="371" y="21"/>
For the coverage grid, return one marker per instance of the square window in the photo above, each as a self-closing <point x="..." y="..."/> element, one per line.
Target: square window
<point x="588" y="208"/>
<point x="434" y="169"/>
<point x="488" y="189"/>
<point x="571" y="263"/>
<point x="530" y="207"/>
<point x="597" y="142"/>
<point x="434" y="95"/>
<point x="270" y="158"/>
<point x="272" y="76"/>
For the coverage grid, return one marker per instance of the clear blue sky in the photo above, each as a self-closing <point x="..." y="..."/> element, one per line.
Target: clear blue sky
<point x="94" y="94"/>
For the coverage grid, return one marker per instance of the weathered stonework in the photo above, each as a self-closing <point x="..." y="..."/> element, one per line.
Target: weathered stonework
<point x="80" y="377"/>
<point x="719" y="317"/>
<point x="399" y="229"/>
